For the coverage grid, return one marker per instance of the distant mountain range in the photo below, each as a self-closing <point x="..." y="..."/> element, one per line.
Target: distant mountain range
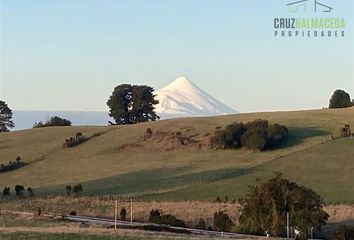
<point x="181" y="98"/>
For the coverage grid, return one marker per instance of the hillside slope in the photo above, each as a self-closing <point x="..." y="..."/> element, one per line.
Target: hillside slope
<point x="120" y="160"/>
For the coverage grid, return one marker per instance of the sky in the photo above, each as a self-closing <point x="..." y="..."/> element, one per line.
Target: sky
<point x="70" y="54"/>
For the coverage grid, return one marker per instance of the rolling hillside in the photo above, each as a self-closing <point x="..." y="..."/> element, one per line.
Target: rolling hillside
<point x="176" y="163"/>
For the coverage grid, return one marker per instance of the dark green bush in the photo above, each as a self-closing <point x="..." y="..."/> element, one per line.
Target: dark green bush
<point x="123" y="214"/>
<point x="19" y="190"/>
<point x="230" y="137"/>
<point x="68" y="190"/>
<point x="256" y="135"/>
<point x="222" y="222"/>
<point x="6" y="191"/>
<point x="77" y="189"/>
<point x="201" y="224"/>
<point x="168" y="219"/>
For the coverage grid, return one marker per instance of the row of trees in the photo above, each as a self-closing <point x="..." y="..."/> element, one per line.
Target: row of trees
<point x="129" y="104"/>
<point x="19" y="190"/>
<point x="52" y="122"/>
<point x="257" y="135"/>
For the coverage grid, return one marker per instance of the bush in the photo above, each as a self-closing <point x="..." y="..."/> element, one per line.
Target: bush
<point x="340" y="99"/>
<point x="148" y="133"/>
<point x="218" y="199"/>
<point x="72" y="213"/>
<point x="155" y="216"/>
<point x="19" y="190"/>
<point x="30" y="191"/>
<point x="168" y="219"/>
<point x="6" y="191"/>
<point x="123" y="214"/>
<point x="222" y="222"/>
<point x="73" y="141"/>
<point x="68" y="190"/>
<point x="230" y="137"/>
<point x="256" y="135"/>
<point x="53" y="121"/>
<point x="344" y="233"/>
<point x="12" y="165"/>
<point x="201" y="224"/>
<point x="77" y="189"/>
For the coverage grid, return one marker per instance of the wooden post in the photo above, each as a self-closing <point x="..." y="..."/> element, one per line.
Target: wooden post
<point x="131" y="210"/>
<point x="115" y="214"/>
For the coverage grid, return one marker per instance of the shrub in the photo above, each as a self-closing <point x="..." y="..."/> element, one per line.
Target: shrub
<point x="73" y="141"/>
<point x="30" y="191"/>
<point x="344" y="233"/>
<point x="12" y="165"/>
<point x="39" y="211"/>
<point x="68" y="190"/>
<point x="256" y="135"/>
<point x="77" y="189"/>
<point x="217" y="199"/>
<point x="222" y="222"/>
<point x="123" y="214"/>
<point x="201" y="224"/>
<point x="6" y="191"/>
<point x="72" y="213"/>
<point x="230" y="137"/>
<point x="148" y="133"/>
<point x="19" y="190"/>
<point x="168" y="219"/>
<point x="226" y="200"/>
<point x="155" y="216"/>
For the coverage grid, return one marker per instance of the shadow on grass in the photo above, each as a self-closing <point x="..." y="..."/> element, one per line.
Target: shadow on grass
<point x="297" y="135"/>
<point x="149" y="181"/>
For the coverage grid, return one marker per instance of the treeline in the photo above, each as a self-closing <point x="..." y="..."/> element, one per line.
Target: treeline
<point x="53" y="121"/>
<point x="255" y="135"/>
<point x="19" y="190"/>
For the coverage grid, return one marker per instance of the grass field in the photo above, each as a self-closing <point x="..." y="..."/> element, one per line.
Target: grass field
<point x="165" y="170"/>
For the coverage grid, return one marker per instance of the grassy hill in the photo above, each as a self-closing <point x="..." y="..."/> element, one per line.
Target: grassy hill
<point x="176" y="163"/>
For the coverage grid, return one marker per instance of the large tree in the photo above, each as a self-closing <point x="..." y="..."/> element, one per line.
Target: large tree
<point x="340" y="99"/>
<point x="143" y="101"/>
<point x="132" y="104"/>
<point x="5" y="117"/>
<point x="267" y="203"/>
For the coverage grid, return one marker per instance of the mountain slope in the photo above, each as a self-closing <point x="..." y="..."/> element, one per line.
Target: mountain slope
<point x="182" y="98"/>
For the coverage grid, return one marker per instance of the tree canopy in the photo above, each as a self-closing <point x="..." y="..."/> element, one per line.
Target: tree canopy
<point x="257" y="135"/>
<point x="5" y="117"/>
<point x="131" y="104"/>
<point x="340" y="99"/>
<point x="53" y="121"/>
<point x="266" y="204"/>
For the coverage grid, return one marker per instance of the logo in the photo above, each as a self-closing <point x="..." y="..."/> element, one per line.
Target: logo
<point x="303" y="5"/>
<point x="319" y="22"/>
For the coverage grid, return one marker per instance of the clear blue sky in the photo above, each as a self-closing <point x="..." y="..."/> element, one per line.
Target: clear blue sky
<point x="69" y="54"/>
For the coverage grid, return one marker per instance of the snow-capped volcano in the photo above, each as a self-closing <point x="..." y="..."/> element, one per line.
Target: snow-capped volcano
<point x="182" y="98"/>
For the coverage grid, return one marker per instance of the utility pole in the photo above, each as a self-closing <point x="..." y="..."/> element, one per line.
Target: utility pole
<point x="131" y="210"/>
<point x="287" y="226"/>
<point x="115" y="214"/>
